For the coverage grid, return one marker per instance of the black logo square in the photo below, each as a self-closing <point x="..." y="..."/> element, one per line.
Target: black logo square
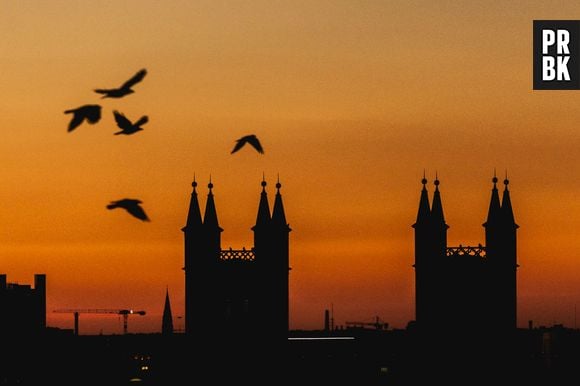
<point x="556" y="55"/>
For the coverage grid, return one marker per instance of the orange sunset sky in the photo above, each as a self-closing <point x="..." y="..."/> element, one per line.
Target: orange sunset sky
<point x="351" y="100"/>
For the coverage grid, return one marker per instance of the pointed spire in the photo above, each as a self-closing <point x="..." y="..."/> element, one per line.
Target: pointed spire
<point x="424" y="212"/>
<point x="278" y="215"/>
<point x="494" y="207"/>
<point x="194" y="214"/>
<point x="437" y="209"/>
<point x="506" y="204"/>
<point x="210" y="216"/>
<point x="167" y="323"/>
<point x="263" y="218"/>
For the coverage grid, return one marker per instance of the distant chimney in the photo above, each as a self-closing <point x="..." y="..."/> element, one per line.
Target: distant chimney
<point x="530" y="324"/>
<point x="326" y="321"/>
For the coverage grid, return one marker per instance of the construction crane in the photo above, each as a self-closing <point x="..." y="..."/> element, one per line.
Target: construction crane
<point x="76" y="312"/>
<point x="377" y="324"/>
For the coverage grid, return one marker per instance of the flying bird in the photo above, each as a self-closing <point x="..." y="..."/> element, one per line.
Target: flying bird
<point x="125" y="124"/>
<point x="130" y="205"/>
<point x="252" y="140"/>
<point x="125" y="89"/>
<point x="90" y="113"/>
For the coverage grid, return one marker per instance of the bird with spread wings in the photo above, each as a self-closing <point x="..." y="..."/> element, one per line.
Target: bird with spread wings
<point x="125" y="88"/>
<point x="126" y="126"/>
<point x="130" y="205"/>
<point x="252" y="140"/>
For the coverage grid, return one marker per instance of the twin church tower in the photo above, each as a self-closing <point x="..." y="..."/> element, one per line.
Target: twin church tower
<point x="466" y="287"/>
<point x="232" y="293"/>
<point x="235" y="293"/>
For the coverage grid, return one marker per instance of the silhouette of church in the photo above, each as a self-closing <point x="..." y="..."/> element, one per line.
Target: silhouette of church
<point x="167" y="320"/>
<point x="465" y="287"/>
<point x="237" y="293"/>
<point x="23" y="308"/>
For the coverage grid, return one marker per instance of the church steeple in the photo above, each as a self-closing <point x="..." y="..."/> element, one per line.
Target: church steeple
<point x="424" y="212"/>
<point x="494" y="212"/>
<point x="262" y="229"/>
<point x="506" y="206"/>
<point x="494" y="235"/>
<point x="437" y="223"/>
<point x="194" y="214"/>
<point x="278" y="214"/>
<point x="167" y="323"/>
<point x="437" y="217"/>
<point x="212" y="230"/>
<point x="263" y="218"/>
<point x="210" y="219"/>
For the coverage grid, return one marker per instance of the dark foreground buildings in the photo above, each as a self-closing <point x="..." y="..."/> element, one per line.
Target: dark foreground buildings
<point x="466" y="287"/>
<point x="23" y="307"/>
<point x="232" y="294"/>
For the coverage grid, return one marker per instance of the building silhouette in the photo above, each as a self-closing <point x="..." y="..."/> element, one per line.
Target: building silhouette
<point x="237" y="293"/>
<point x="167" y="321"/>
<point x="465" y="287"/>
<point x="23" y="307"/>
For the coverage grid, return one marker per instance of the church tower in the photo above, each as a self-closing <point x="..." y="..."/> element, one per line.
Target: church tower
<point x="237" y="294"/>
<point x="262" y="250"/>
<point x="510" y="259"/>
<point x="424" y="262"/>
<point x="271" y="248"/>
<point x="465" y="287"/>
<point x="501" y="242"/>
<point x="195" y="258"/>
<point x="280" y="231"/>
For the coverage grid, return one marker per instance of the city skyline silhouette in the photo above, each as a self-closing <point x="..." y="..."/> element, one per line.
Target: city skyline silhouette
<point x="351" y="102"/>
<point x="237" y="299"/>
